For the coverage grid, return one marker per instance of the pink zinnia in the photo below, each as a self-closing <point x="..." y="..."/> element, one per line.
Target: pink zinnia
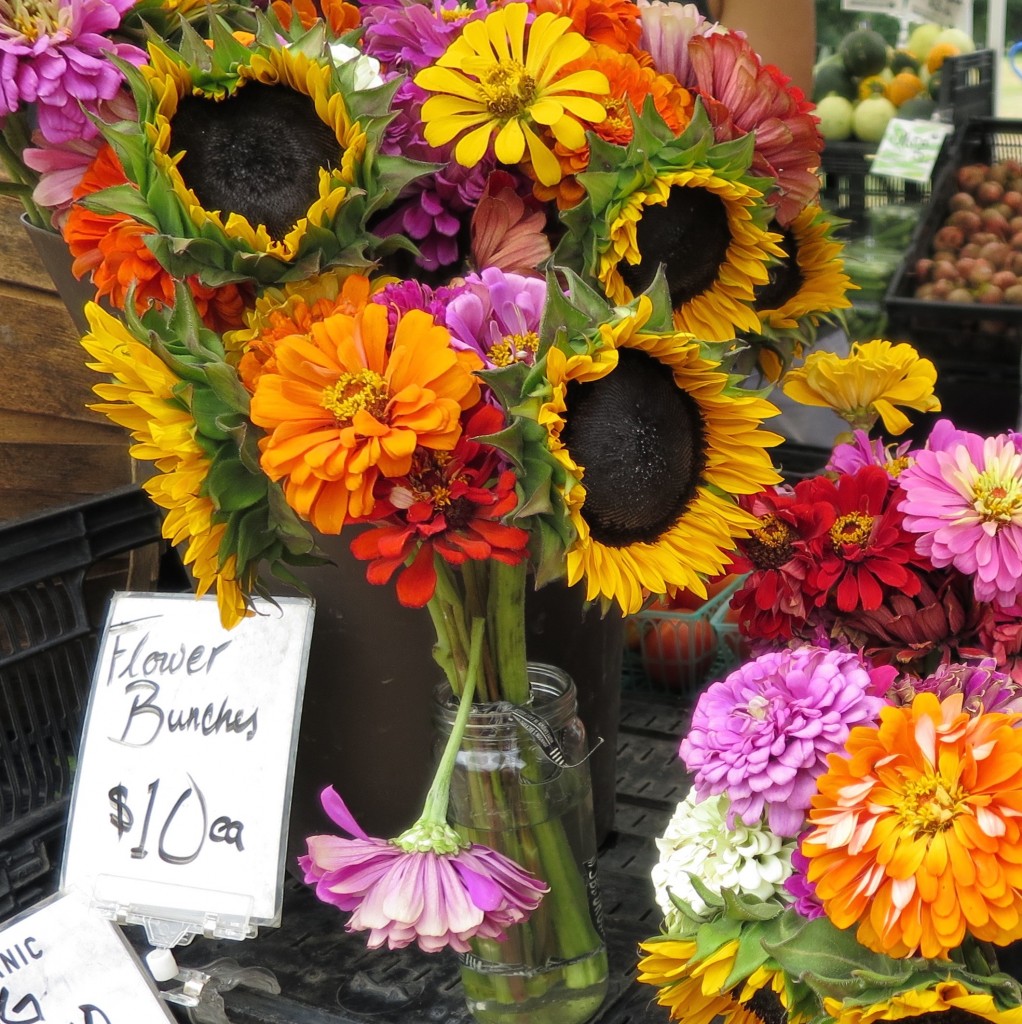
<point x="965" y="503"/>
<point x="753" y="97"/>
<point x="427" y="886"/>
<point x="54" y="55"/>
<point x="762" y="735"/>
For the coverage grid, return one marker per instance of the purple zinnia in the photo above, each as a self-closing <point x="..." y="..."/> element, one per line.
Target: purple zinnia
<point x="404" y="296"/>
<point x="498" y="315"/>
<point x="407" y="36"/>
<point x="55" y="55"/>
<point x="762" y="735"/>
<point x="861" y="451"/>
<point x="964" y="500"/>
<point x="427" y="886"/>
<point x="798" y="886"/>
<point x="984" y="688"/>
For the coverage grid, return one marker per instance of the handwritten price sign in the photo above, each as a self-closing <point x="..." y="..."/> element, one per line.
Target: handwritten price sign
<point x="62" y="964"/>
<point x="184" y="781"/>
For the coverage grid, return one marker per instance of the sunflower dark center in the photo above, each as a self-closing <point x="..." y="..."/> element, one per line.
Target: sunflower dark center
<point x="640" y="440"/>
<point x="766" y="1005"/>
<point x="784" y="279"/>
<point x="257" y="153"/>
<point x="690" y="237"/>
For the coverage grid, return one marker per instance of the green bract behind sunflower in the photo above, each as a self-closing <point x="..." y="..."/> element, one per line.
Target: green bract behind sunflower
<point x="256" y="163"/>
<point x="685" y="202"/>
<point x="633" y="442"/>
<point x="188" y="413"/>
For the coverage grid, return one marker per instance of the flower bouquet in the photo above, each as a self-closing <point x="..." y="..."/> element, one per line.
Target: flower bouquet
<point x="849" y="849"/>
<point x="497" y="291"/>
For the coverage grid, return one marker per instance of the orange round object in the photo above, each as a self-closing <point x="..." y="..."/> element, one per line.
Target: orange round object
<point x="678" y="652"/>
<point x="940" y="53"/>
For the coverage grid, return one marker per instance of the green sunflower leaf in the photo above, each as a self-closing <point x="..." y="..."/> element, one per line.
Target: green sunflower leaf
<point x="750" y="908"/>
<point x="715" y="934"/>
<point x="231" y="486"/>
<point x="749" y="957"/>
<point x="120" y="199"/>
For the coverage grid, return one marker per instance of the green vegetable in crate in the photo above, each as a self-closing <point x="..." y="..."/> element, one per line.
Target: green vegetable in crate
<point x="831" y="78"/>
<point x="871" y="117"/>
<point x="919" y="108"/>
<point x="903" y="60"/>
<point x="864" y="52"/>
<point x="835" y="114"/>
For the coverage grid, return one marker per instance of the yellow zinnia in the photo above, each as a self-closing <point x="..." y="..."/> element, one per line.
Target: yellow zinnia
<point x="142" y="398"/>
<point x="501" y="80"/>
<point x="874" y="378"/>
<point x="690" y="988"/>
<point x="947" y="995"/>
<point x="653" y="440"/>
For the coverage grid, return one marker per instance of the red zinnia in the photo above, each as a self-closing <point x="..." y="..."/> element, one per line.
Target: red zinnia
<point x="773" y="603"/>
<point x="866" y="550"/>
<point x="450" y="505"/>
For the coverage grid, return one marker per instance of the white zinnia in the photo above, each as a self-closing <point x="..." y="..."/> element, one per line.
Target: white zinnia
<point x="743" y="858"/>
<point x="367" y="69"/>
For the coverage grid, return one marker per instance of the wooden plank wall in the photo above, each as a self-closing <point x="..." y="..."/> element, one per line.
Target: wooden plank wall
<point x="53" y="450"/>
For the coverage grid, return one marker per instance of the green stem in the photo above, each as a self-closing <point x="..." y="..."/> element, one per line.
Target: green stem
<point x="435" y="808"/>
<point x="13" y="141"/>
<point x="506" y="622"/>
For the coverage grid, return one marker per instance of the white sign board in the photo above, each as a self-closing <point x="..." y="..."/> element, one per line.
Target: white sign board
<point x="62" y="963"/>
<point x="957" y="13"/>
<point x="942" y="12"/>
<point x="909" y="149"/>
<point x="183" y="787"/>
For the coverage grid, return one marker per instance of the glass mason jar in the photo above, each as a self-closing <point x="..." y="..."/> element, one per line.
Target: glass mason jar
<point x="521" y="786"/>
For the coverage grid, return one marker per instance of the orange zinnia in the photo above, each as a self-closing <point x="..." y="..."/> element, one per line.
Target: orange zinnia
<point x="917" y="836"/>
<point x="612" y="22"/>
<point x="111" y="247"/>
<point x="350" y="401"/>
<point x="630" y="86"/>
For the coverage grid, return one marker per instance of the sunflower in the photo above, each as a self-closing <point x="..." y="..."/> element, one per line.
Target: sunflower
<point x="916" y="830"/>
<point x="809" y="281"/>
<point x="348" y="403"/>
<point x="251" y="163"/>
<point x="500" y="80"/>
<point x="867" y="384"/>
<point x="692" y="989"/>
<point x="142" y="398"/>
<point x="946" y="995"/>
<point x="684" y="203"/>
<point x="653" y="441"/>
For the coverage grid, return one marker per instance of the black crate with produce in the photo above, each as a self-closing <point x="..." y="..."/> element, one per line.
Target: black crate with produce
<point x="966" y="91"/>
<point x="957" y="293"/>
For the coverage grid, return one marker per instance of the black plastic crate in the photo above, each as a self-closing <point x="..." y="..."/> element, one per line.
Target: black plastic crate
<point x="976" y="347"/>
<point x="56" y="572"/>
<point x="848" y="188"/>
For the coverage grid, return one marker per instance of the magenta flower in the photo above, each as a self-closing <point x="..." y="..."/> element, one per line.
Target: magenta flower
<point x="427" y="886"/>
<point x="964" y="500"/>
<point x="55" y="56"/>
<point x="498" y="315"/>
<point x="762" y="735"/>
<point x="408" y="36"/>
